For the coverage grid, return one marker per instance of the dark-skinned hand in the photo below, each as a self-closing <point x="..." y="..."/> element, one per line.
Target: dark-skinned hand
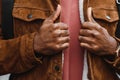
<point x="96" y="38"/>
<point x="52" y="37"/>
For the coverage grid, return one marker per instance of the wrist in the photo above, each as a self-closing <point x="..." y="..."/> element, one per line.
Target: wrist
<point x="38" y="45"/>
<point x="116" y="51"/>
<point x="114" y="46"/>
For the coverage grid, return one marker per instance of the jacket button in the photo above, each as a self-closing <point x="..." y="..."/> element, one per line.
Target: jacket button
<point x="108" y="17"/>
<point x="29" y="16"/>
<point x="57" y="68"/>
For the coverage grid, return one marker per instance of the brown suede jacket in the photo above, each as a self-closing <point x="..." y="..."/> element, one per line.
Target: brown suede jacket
<point x="17" y="55"/>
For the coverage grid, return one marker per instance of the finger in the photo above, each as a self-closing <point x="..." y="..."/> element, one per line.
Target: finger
<point x="89" y="33"/>
<point x="64" y="46"/>
<point x="61" y="26"/>
<point x="89" y="14"/>
<point x="61" y="33"/>
<point x="57" y="33"/>
<point x="86" y="32"/>
<point x="63" y="40"/>
<point x="64" y="33"/>
<point x="91" y="26"/>
<point x="88" y="25"/>
<point x="55" y="15"/>
<point x="85" y="45"/>
<point x="88" y="40"/>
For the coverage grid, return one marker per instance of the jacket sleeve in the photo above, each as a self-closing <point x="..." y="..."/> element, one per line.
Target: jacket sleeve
<point x="17" y="55"/>
<point x="114" y="61"/>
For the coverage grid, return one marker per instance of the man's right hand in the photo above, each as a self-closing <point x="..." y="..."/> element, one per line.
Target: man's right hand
<point x="52" y="37"/>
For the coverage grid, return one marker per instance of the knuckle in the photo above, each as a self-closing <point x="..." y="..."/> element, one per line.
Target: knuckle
<point x="95" y="48"/>
<point x="59" y="24"/>
<point x="55" y="25"/>
<point x="54" y="34"/>
<point x="88" y="31"/>
<point x="91" y="23"/>
<point x="57" y="47"/>
<point x="95" y="26"/>
<point x="93" y="40"/>
<point x="105" y="30"/>
<point x="100" y="28"/>
<point x="66" y="45"/>
<point x="58" y="40"/>
<point x="84" y="24"/>
<point x="96" y="34"/>
<point x="82" y="44"/>
<point x="65" y="25"/>
<point x="51" y="26"/>
<point x="91" y="33"/>
<point x="57" y="32"/>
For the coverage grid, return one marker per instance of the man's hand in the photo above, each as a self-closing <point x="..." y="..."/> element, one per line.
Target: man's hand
<point x="95" y="38"/>
<point x="52" y="37"/>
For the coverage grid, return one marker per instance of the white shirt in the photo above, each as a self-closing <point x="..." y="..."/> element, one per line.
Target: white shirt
<point x="85" y="68"/>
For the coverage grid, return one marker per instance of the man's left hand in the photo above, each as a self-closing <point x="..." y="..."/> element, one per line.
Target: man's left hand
<point x="96" y="38"/>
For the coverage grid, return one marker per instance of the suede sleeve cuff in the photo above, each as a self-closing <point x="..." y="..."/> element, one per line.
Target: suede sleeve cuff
<point x="27" y="50"/>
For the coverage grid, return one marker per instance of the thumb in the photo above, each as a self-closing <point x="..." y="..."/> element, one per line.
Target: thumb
<point x="55" y="15"/>
<point x="89" y="15"/>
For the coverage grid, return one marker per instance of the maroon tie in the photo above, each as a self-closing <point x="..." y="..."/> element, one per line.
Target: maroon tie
<point x="73" y="56"/>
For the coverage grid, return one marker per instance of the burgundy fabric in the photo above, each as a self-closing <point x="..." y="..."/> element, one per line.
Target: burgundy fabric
<point x="73" y="56"/>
